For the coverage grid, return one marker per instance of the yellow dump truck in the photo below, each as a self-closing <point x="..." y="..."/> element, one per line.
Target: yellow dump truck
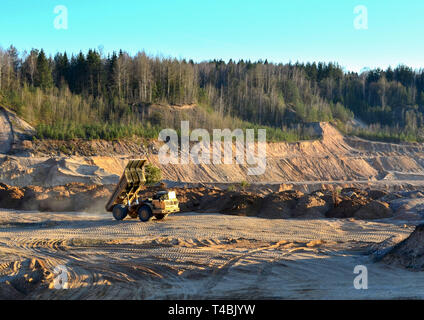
<point x="126" y="201"/>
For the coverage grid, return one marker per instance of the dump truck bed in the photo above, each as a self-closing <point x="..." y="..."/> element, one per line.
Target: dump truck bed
<point x="129" y="184"/>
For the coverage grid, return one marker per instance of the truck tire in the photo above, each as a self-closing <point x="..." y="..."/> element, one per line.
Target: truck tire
<point x="119" y="212"/>
<point x="145" y="213"/>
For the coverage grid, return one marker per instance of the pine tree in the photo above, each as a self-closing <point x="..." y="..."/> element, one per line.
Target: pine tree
<point x="61" y="70"/>
<point x="43" y="75"/>
<point x="112" y="71"/>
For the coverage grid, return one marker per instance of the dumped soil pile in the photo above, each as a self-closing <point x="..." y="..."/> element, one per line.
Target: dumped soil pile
<point x="408" y="253"/>
<point x="280" y="205"/>
<point x="349" y="203"/>
<point x="216" y="200"/>
<point x="374" y="210"/>
<point x="70" y="197"/>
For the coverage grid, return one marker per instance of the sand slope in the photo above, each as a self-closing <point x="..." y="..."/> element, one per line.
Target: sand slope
<point x="331" y="158"/>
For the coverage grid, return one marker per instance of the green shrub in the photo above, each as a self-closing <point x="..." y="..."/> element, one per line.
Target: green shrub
<point x="153" y="174"/>
<point x="231" y="187"/>
<point x="244" y="184"/>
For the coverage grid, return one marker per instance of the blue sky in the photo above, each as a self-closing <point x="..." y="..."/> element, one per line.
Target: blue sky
<point x="277" y="30"/>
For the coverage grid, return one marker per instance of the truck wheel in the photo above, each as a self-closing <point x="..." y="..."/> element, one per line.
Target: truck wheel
<point x="119" y="212"/>
<point x="145" y="213"/>
<point x="160" y="216"/>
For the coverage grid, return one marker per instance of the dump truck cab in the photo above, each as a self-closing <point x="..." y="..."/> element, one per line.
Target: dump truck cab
<point x="127" y="201"/>
<point x="165" y="201"/>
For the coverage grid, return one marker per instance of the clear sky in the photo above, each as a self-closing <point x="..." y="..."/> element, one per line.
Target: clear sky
<point x="277" y="30"/>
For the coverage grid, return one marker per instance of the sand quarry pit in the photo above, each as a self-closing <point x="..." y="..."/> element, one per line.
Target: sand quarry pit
<point x="198" y="256"/>
<point x="298" y="231"/>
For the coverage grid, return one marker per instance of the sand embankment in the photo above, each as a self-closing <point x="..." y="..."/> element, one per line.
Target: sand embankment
<point x="333" y="158"/>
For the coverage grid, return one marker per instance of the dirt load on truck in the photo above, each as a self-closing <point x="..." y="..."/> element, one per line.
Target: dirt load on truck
<point x="126" y="201"/>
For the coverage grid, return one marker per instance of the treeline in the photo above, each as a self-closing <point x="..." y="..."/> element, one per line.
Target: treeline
<point x="95" y="96"/>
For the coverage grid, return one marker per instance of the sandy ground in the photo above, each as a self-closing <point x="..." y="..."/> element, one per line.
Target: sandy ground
<point x="196" y="256"/>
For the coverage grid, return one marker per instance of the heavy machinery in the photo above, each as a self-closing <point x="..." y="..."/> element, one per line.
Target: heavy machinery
<point x="125" y="200"/>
